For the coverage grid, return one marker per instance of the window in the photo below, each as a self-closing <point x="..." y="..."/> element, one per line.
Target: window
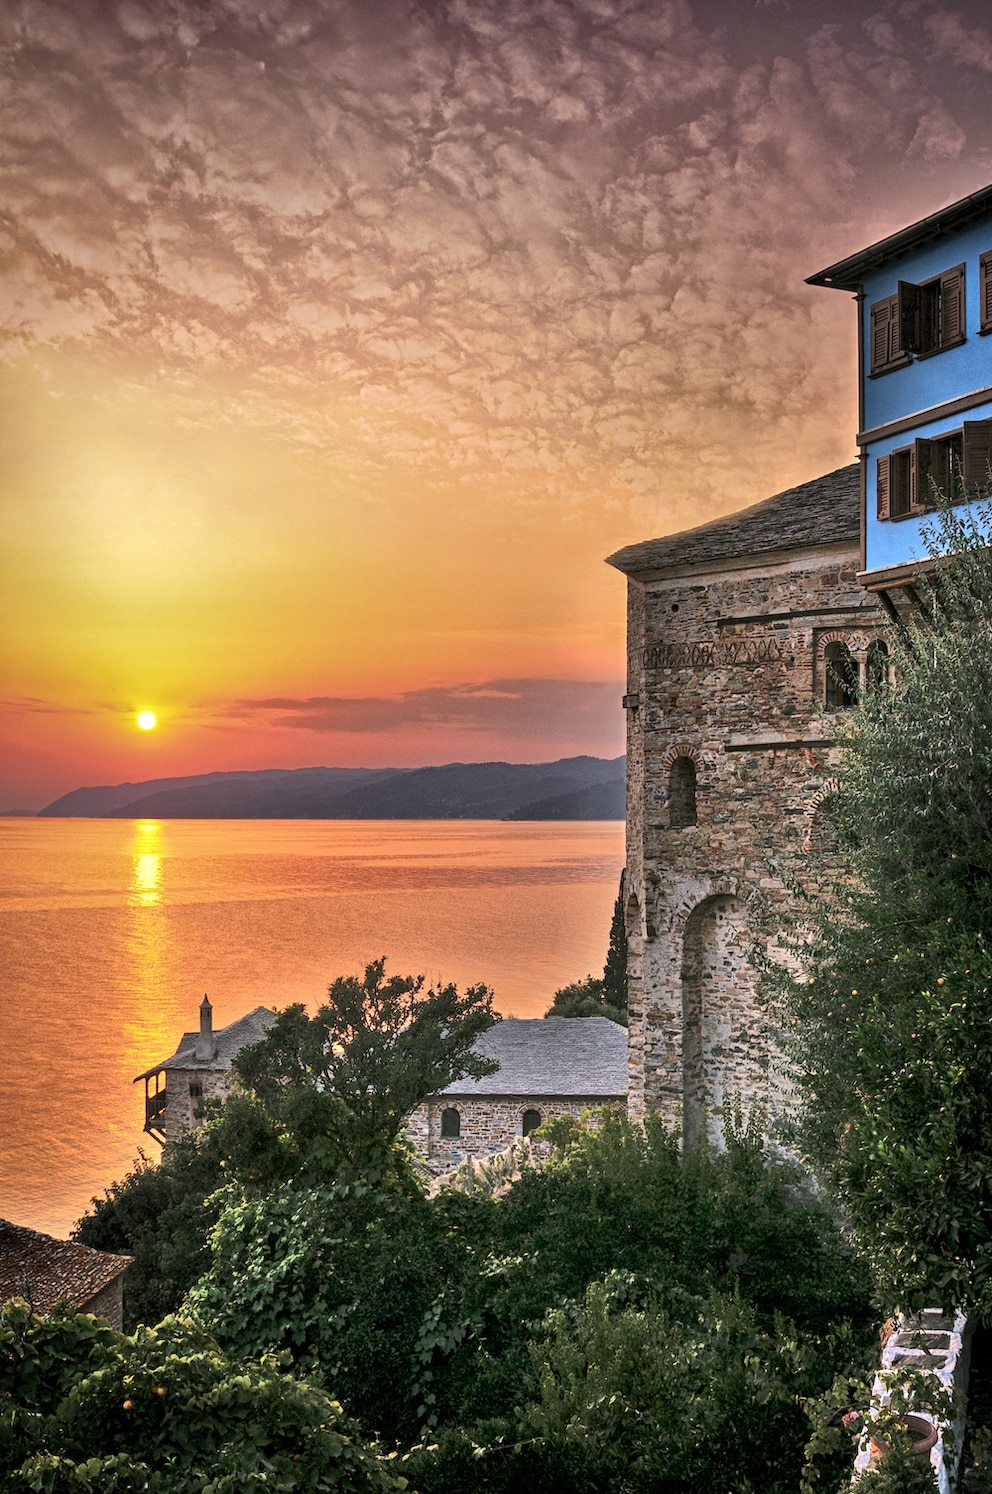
<point x="195" y="1090"/>
<point x="451" y="1123"/>
<point x="841" y="678"/>
<point x="876" y="666"/>
<point x="682" y="793"/>
<point x="530" y="1121"/>
<point x="921" y="319"/>
<point x="950" y="467"/>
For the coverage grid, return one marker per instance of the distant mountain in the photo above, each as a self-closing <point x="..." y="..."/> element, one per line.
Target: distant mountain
<point x="572" y="788"/>
<point x="601" y="801"/>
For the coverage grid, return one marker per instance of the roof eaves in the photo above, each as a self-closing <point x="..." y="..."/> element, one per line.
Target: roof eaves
<point x="848" y="274"/>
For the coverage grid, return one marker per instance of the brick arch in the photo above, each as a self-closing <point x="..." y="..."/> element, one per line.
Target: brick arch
<point x="683" y="749"/>
<point x="812" y="819"/>
<point x="856" y="642"/>
<point x="722" y="887"/>
<point x="830" y="787"/>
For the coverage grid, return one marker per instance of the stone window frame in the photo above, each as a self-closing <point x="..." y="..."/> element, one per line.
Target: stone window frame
<point x="446" y="1133"/>
<point x="858" y="643"/>
<point x="676" y="751"/>
<point x="525" y="1129"/>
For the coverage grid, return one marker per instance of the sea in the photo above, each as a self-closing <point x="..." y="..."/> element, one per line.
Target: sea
<point x="112" y="931"/>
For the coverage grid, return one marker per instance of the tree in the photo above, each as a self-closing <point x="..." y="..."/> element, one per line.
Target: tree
<point x="319" y="1099"/>
<point x="87" y="1410"/>
<point x="891" y="1019"/>
<point x="336" y="1088"/>
<point x="615" y="970"/>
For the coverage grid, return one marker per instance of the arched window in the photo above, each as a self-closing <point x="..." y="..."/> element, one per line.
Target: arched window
<point x="682" y="793"/>
<point x="876" y="665"/>
<point x="841" y="682"/>
<point x="451" y="1123"/>
<point x="530" y="1122"/>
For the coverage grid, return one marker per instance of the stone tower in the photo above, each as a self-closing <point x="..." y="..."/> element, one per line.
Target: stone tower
<point x="746" y="637"/>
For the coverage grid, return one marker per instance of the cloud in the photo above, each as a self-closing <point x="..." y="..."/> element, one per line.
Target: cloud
<point x="563" y="241"/>
<point x="953" y="39"/>
<point x="528" y="708"/>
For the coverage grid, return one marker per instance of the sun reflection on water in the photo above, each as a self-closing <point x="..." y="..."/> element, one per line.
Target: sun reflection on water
<point x="148" y="1018"/>
<point x="146" y="860"/>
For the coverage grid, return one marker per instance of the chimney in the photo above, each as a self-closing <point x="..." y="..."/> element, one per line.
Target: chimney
<point x="206" y="1043"/>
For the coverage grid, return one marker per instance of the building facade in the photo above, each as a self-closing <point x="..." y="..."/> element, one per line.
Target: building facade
<point x="199" y="1070"/>
<point x="924" y="299"/>
<point x="548" y="1066"/>
<point x="747" y="639"/>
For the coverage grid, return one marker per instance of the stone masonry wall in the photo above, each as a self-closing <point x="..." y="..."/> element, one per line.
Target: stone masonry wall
<point x="726" y="669"/>
<point x="108" y="1303"/>
<point x="181" y="1105"/>
<point x="488" y="1123"/>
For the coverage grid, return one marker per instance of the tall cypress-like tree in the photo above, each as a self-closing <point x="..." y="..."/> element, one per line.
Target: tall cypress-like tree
<point x="615" y="970"/>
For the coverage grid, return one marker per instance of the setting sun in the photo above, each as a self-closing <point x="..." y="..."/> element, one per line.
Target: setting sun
<point x="146" y="720"/>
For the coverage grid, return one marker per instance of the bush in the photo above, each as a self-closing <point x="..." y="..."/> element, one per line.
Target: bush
<point x="84" y="1408"/>
<point x="639" y="1400"/>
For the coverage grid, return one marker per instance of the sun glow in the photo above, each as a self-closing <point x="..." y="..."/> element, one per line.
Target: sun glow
<point x="147" y="719"/>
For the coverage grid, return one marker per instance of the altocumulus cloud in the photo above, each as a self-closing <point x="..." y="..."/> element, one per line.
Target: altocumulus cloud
<point x="553" y="243"/>
<point x="527" y="708"/>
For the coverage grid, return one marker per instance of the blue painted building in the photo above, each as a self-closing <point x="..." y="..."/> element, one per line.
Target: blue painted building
<point x="925" y="377"/>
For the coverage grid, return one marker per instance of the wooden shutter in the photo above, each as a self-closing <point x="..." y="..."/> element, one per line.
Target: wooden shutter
<point x="900" y="483"/>
<point x="976" y="453"/>
<point x="985" y="291"/>
<point x="952" y="307"/>
<point x="921" y="495"/>
<point x="882" y="487"/>
<point x="881" y="325"/>
<point x="907" y="319"/>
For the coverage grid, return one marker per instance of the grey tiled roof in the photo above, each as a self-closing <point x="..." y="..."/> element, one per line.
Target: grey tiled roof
<point x="250" y="1028"/>
<point x="552" y="1056"/>
<point x="815" y="513"/>
<point x="47" y="1270"/>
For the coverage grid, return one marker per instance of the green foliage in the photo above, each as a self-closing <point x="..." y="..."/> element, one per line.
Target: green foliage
<point x="347" y="1279"/>
<point x="638" y="1398"/>
<point x="585" y="998"/>
<point x="621" y="1197"/>
<point x="891" y="1022"/>
<point x="318" y="1099"/>
<point x="420" y="1313"/>
<point x="162" y="1216"/>
<point x="84" y="1408"/>
<point x="335" y="1089"/>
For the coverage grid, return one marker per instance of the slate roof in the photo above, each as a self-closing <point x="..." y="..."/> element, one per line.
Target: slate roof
<point x="820" y="512"/>
<point x="250" y="1028"/>
<point x="48" y="1270"/>
<point x="582" y="1056"/>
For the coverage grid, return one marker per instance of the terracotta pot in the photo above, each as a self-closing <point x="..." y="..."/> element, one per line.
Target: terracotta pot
<point x="923" y="1433"/>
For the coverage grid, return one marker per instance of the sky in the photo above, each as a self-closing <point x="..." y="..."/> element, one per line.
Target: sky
<point x="343" y="339"/>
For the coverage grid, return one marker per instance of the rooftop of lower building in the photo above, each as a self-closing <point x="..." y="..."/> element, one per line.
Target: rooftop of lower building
<point x="826" y="510"/>
<point x="560" y="1056"/>
<point x="45" y="1270"/>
